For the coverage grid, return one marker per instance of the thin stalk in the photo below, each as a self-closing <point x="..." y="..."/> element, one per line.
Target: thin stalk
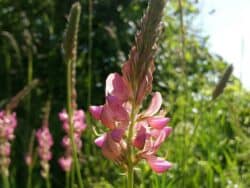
<point x="130" y="180"/>
<point x="183" y="64"/>
<point x="72" y="174"/>
<point x="29" y="182"/>
<point x="48" y="182"/>
<point x="70" y="112"/>
<point x="29" y="80"/>
<point x="90" y="46"/>
<point x="8" y="78"/>
<point x="5" y="181"/>
<point x="30" y="154"/>
<point x="67" y="179"/>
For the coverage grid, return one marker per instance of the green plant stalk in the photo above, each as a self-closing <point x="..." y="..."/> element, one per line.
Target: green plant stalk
<point x="90" y="46"/>
<point x="47" y="179"/>
<point x="5" y="181"/>
<point x="29" y="182"/>
<point x="67" y="179"/>
<point x="70" y="113"/>
<point x="29" y="80"/>
<point x="130" y="180"/>
<point x="8" y="80"/>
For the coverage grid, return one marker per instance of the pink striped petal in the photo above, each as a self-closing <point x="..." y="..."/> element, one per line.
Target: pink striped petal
<point x="155" y="104"/>
<point x="167" y="130"/>
<point x="118" y="111"/>
<point x="140" y="137"/>
<point x="110" y="148"/>
<point x="100" y="140"/>
<point x="117" y="134"/>
<point x="107" y="117"/>
<point x="96" y="111"/>
<point x="158" y="164"/>
<point x="158" y="122"/>
<point x="115" y="86"/>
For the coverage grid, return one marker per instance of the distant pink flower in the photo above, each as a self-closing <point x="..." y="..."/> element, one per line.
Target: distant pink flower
<point x="65" y="163"/>
<point x="79" y="126"/>
<point x="45" y="142"/>
<point x="28" y="160"/>
<point x="8" y="123"/>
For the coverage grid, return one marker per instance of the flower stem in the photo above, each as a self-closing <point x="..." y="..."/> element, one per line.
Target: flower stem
<point x="5" y="181"/>
<point x="130" y="181"/>
<point x="47" y="182"/>
<point x="71" y="125"/>
<point x="29" y="181"/>
<point x="67" y="179"/>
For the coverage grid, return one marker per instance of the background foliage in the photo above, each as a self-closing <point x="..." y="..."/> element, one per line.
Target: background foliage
<point x="210" y="142"/>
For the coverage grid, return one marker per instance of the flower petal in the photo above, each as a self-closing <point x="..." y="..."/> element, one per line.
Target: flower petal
<point x="107" y="117"/>
<point x="158" y="164"/>
<point x="115" y="86"/>
<point x="96" y="111"/>
<point x="158" y="122"/>
<point x="140" y="137"/>
<point x="110" y="148"/>
<point x="118" y="111"/>
<point x="117" y="134"/>
<point x="100" y="140"/>
<point x="155" y="104"/>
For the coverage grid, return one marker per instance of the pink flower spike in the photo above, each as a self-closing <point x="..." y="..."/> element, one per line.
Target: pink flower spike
<point x="115" y="86"/>
<point x="65" y="163"/>
<point x="96" y="111"/>
<point x="100" y="140"/>
<point x="158" y="164"/>
<point x="155" y="105"/>
<point x="158" y="122"/>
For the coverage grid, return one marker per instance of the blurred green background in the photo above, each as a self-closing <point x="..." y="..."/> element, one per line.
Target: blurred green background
<point x="210" y="143"/>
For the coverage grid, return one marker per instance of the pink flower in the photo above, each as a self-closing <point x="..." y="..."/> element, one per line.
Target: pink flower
<point x="65" y="163"/>
<point x="28" y="160"/>
<point x="159" y="165"/>
<point x="151" y="127"/>
<point x="45" y="142"/>
<point x="79" y="126"/>
<point x="115" y="86"/>
<point x="8" y="125"/>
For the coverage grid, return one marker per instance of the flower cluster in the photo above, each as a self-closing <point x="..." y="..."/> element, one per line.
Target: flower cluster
<point x="8" y="124"/>
<point x="45" y="142"/>
<point x="79" y="126"/>
<point x="118" y="113"/>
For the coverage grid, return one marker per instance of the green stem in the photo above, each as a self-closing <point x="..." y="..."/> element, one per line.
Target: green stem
<point x="29" y="77"/>
<point x="48" y="182"/>
<point x="5" y="181"/>
<point x="8" y="78"/>
<point x="130" y="181"/>
<point x="70" y="112"/>
<point x="29" y="182"/>
<point x="67" y="179"/>
<point x="72" y="174"/>
<point x="90" y="46"/>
